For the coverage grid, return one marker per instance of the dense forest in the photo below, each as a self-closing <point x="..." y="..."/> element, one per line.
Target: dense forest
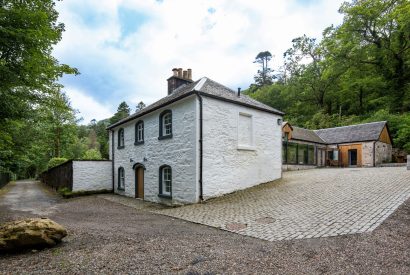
<point x="357" y="72"/>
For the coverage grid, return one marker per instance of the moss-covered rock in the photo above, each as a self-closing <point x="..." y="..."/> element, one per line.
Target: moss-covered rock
<point x="30" y="233"/>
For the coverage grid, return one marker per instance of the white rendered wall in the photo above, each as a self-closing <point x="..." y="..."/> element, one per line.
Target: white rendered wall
<point x="227" y="168"/>
<point x="179" y="152"/>
<point x="92" y="175"/>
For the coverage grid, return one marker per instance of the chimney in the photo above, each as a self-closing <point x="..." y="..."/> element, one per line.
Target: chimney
<point x="189" y="74"/>
<point x="239" y="92"/>
<point x="174" y="72"/>
<point x="179" y="78"/>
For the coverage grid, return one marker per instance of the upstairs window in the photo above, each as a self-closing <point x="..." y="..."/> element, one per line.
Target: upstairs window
<point x="165" y="125"/>
<point x="121" y="178"/>
<point x="165" y="181"/>
<point x="139" y="132"/>
<point x="120" y="138"/>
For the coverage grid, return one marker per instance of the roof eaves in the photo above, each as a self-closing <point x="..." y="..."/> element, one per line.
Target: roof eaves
<point x="142" y="113"/>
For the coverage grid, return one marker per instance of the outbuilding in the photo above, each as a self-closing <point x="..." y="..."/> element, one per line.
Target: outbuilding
<point x="361" y="145"/>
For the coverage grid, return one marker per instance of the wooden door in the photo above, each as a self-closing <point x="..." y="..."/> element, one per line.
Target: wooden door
<point x="139" y="183"/>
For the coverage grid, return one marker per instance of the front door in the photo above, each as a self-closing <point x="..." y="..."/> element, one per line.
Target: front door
<point x="139" y="182"/>
<point x="352" y="157"/>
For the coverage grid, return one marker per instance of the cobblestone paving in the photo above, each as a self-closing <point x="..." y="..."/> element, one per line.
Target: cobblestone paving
<point x="306" y="204"/>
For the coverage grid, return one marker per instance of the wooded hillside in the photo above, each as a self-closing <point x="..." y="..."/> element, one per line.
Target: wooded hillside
<point x="356" y="72"/>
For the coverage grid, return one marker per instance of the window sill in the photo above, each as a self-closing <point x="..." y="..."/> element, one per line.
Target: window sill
<point x="120" y="147"/>
<point x="246" y="148"/>
<point x="164" y="196"/>
<point x="165" y="137"/>
<point x="138" y="142"/>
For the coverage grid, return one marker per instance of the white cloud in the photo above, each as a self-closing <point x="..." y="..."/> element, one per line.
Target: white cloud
<point x="88" y="107"/>
<point x="221" y="44"/>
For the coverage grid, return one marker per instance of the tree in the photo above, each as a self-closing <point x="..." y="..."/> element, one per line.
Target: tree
<point x="311" y="73"/>
<point x="377" y="34"/>
<point x="28" y="78"/>
<point x="264" y="76"/>
<point x="140" y="106"/>
<point x="123" y="111"/>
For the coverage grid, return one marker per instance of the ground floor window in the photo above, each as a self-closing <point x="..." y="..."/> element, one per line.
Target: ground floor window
<point x="165" y="184"/>
<point x="121" y="178"/>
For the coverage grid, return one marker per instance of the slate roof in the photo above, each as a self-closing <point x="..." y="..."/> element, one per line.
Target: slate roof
<point x="205" y="87"/>
<point x="354" y="133"/>
<point x="306" y="135"/>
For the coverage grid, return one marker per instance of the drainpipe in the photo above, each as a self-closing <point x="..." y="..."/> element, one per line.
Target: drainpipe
<point x="201" y="198"/>
<point x="112" y="159"/>
<point x="374" y="153"/>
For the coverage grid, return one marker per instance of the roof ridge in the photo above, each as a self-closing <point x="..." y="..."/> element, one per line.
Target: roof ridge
<point x="384" y="121"/>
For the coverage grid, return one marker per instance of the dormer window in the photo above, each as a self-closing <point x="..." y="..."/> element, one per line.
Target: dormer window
<point x="139" y="133"/>
<point x="121" y="138"/>
<point x="165" y="125"/>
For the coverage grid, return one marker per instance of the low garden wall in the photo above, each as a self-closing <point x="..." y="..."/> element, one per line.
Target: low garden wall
<point x="80" y="175"/>
<point x="89" y="175"/>
<point x="294" y="167"/>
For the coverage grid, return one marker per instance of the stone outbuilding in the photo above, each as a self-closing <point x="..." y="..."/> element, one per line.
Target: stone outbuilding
<point x="362" y="145"/>
<point x="200" y="141"/>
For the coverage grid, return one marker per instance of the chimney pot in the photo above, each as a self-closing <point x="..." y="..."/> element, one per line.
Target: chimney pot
<point x="190" y="74"/>
<point x="180" y="72"/>
<point x="185" y="75"/>
<point x="239" y="92"/>
<point x="175" y="72"/>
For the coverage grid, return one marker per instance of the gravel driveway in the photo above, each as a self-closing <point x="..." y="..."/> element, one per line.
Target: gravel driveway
<point x="107" y="237"/>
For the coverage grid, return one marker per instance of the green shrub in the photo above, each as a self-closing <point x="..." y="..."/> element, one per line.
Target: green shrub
<point x="92" y="154"/>
<point x="55" y="162"/>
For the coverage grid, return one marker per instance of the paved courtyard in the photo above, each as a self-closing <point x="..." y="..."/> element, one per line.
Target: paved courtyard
<point x="306" y="204"/>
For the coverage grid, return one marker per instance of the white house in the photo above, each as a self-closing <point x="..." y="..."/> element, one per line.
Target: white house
<point x="200" y="141"/>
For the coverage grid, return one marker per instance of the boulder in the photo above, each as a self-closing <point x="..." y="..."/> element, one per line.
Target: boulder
<point x="30" y="233"/>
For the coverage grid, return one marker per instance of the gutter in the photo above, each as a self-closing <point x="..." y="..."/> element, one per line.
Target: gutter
<point x="112" y="158"/>
<point x="374" y="153"/>
<point x="201" y="156"/>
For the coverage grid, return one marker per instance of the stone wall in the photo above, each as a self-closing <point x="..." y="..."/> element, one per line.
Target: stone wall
<point x="367" y="154"/>
<point x="179" y="152"/>
<point x="383" y="152"/>
<point x="408" y="162"/>
<point x="91" y="175"/>
<point x="293" y="167"/>
<point x="229" y="166"/>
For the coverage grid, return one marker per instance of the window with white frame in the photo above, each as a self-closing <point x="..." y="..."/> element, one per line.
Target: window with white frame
<point x="139" y="132"/>
<point x="245" y="131"/>
<point x="165" y="125"/>
<point x="121" y="138"/>
<point x="121" y="178"/>
<point x="165" y="181"/>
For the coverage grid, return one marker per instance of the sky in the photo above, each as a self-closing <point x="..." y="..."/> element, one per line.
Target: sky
<point x="125" y="49"/>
